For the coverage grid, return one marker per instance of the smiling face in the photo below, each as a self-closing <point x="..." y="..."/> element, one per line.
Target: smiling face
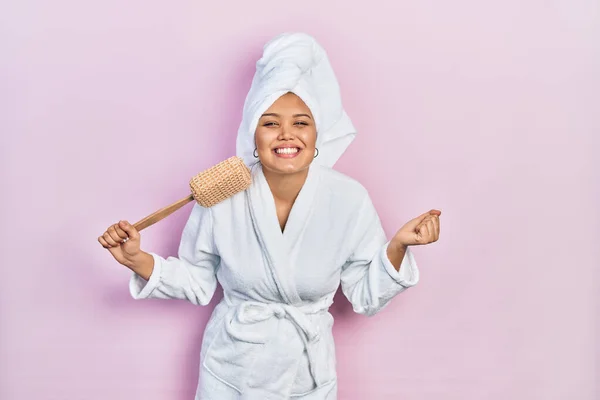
<point x="286" y="136"/>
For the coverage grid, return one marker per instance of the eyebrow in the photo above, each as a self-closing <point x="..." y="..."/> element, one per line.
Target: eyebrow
<point x="277" y="115"/>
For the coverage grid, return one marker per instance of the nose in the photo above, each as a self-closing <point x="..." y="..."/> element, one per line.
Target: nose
<point x="286" y="132"/>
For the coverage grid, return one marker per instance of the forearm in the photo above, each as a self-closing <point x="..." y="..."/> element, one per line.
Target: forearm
<point x="143" y="265"/>
<point x="371" y="281"/>
<point x="395" y="253"/>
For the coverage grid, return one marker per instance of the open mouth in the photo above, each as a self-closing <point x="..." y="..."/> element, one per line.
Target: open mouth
<point x="287" y="152"/>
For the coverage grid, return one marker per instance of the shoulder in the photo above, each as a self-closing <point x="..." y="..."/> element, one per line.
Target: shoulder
<point x="342" y="187"/>
<point x="229" y="205"/>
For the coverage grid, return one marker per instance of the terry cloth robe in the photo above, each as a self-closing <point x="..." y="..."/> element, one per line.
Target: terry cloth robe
<point x="271" y="335"/>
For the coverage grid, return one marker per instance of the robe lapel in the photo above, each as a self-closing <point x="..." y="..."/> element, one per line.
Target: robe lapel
<point x="277" y="246"/>
<point x="302" y="209"/>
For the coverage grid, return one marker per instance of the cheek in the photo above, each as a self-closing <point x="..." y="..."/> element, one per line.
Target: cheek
<point x="263" y="138"/>
<point x="309" y="138"/>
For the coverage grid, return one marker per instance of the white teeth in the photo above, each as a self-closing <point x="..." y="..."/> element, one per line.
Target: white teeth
<point x="287" y="150"/>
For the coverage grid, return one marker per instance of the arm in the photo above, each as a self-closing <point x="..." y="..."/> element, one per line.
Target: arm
<point x="190" y="276"/>
<point x="377" y="269"/>
<point x="396" y="253"/>
<point x="142" y="265"/>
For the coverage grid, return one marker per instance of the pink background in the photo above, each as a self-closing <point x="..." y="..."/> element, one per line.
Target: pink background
<point x="489" y="112"/>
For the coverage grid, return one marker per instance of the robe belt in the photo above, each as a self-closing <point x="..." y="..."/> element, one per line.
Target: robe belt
<point x="250" y="312"/>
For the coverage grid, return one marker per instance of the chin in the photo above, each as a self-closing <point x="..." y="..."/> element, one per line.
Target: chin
<point x="287" y="167"/>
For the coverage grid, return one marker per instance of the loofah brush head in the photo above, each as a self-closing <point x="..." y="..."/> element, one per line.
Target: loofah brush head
<point x="220" y="182"/>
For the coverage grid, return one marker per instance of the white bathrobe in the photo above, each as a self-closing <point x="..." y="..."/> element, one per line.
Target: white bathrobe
<point x="271" y="335"/>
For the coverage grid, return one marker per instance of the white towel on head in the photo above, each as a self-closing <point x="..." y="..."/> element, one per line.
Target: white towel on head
<point x="295" y="62"/>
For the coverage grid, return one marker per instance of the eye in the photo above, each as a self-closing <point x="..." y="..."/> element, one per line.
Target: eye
<point x="270" y="124"/>
<point x="302" y="123"/>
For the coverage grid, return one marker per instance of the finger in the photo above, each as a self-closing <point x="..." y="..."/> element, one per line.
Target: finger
<point x="436" y="223"/>
<point x="431" y="229"/>
<point x="414" y="223"/>
<point x="110" y="240"/>
<point x="130" y="230"/>
<point x="431" y="213"/>
<point x="113" y="234"/>
<point x="122" y="234"/>
<point x="103" y="242"/>
<point x="422" y="233"/>
<point x="421" y="218"/>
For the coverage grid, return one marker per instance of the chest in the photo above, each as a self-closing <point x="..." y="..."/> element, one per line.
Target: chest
<point x="310" y="251"/>
<point x="282" y="209"/>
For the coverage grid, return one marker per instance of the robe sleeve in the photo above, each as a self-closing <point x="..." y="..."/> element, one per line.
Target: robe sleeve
<point x="190" y="276"/>
<point x="369" y="280"/>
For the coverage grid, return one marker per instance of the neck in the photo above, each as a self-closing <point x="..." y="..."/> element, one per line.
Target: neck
<point x="285" y="187"/>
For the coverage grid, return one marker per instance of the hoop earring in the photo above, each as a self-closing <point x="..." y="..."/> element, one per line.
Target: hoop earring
<point x="317" y="150"/>
<point x="255" y="154"/>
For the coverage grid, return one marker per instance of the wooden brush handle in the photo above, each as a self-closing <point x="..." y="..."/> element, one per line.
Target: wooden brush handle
<point x="162" y="213"/>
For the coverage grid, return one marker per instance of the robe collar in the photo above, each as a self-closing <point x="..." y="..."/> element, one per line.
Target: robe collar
<point x="278" y="246"/>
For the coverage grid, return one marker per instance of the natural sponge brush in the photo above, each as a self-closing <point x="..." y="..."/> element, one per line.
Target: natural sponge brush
<point x="208" y="188"/>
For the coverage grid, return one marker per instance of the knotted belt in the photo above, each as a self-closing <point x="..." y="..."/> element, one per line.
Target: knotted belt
<point x="252" y="312"/>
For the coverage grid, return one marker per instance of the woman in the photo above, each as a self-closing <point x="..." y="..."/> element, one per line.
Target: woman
<point x="281" y="248"/>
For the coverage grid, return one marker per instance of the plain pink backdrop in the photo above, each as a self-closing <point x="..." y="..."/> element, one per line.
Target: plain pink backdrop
<point x="488" y="111"/>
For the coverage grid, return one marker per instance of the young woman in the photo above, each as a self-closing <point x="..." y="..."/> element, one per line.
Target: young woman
<point x="281" y="249"/>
